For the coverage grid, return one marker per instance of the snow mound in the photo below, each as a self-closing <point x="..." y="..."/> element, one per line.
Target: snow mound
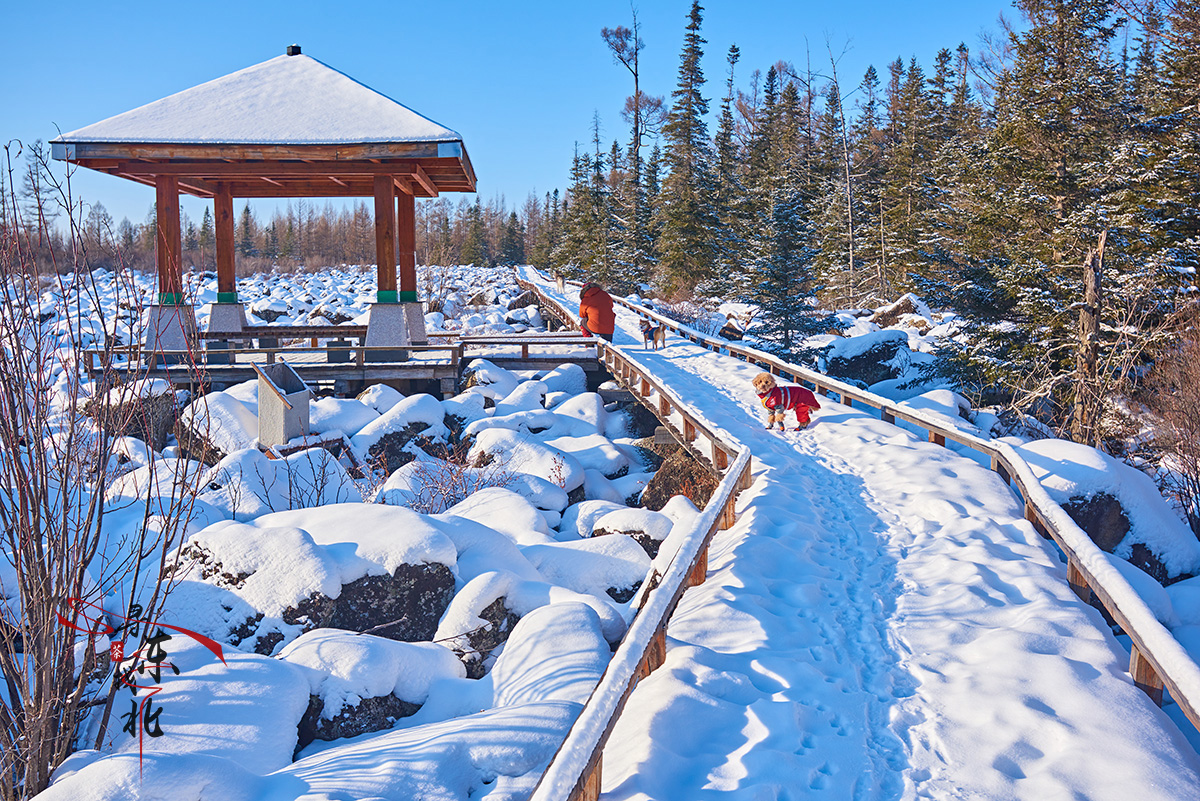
<point x="344" y="667"/>
<point x="1069" y="470"/>
<point x="246" y="484"/>
<point x="337" y="414"/>
<point x="522" y="597"/>
<point x="494" y="382"/>
<point x="554" y="653"/>
<point x="579" y="519"/>
<point x="596" y="566"/>
<point x="567" y="378"/>
<point x="515" y="452"/>
<point x="507" y="512"/>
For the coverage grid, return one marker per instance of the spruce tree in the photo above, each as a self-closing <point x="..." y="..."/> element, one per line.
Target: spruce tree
<point x="687" y="221"/>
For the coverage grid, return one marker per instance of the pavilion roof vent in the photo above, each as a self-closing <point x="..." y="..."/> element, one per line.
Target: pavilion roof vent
<point x="293" y="50"/>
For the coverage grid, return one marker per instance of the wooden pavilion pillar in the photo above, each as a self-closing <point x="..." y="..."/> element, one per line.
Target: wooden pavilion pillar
<point x="385" y="239"/>
<point x="171" y="329"/>
<point x="169" y="250"/>
<point x="406" y="224"/>
<point x="223" y="224"/>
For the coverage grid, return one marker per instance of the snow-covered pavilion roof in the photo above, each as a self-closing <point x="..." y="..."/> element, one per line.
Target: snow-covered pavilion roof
<point x="287" y="100"/>
<point x="289" y="124"/>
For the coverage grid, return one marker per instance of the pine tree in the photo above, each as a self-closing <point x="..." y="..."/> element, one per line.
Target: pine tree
<point x="512" y="242"/>
<point x="687" y="219"/>
<point x="246" y="233"/>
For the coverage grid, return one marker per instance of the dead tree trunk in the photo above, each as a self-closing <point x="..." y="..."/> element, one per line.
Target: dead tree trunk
<point x="1084" y="427"/>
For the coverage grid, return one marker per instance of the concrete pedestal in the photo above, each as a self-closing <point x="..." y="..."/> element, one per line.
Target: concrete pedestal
<point x="414" y="315"/>
<point x="227" y="318"/>
<point x="388" y="326"/>
<point x="170" y="328"/>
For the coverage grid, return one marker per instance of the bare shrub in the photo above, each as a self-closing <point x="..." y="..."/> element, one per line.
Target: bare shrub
<point x="1174" y="396"/>
<point x="691" y="314"/>
<point x="59" y="556"/>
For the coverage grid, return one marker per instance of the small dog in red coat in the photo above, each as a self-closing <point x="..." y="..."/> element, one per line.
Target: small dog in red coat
<point x="779" y="399"/>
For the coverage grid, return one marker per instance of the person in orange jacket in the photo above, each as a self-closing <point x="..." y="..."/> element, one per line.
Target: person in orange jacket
<point x="596" y="312"/>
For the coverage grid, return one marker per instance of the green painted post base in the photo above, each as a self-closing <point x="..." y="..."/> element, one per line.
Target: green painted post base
<point x="386" y="296"/>
<point x="170" y="298"/>
<point x="227" y="297"/>
<point x="408" y="297"/>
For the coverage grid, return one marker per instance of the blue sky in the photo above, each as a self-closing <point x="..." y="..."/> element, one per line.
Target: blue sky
<point x="519" y="80"/>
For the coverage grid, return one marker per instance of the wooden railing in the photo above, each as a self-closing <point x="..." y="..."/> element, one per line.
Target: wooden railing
<point x="1157" y="660"/>
<point x="575" y="771"/>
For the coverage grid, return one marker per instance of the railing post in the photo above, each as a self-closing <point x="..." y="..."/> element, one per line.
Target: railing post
<point x="847" y="400"/>
<point x="720" y="458"/>
<point x="689" y="430"/>
<point x="589" y="787"/>
<point x="664" y="406"/>
<point x="1032" y="516"/>
<point x="1144" y="676"/>
<point x="1000" y="470"/>
<point x="1078" y="582"/>
<point x="887" y="416"/>
<point x="937" y="439"/>
<point x="699" y="570"/>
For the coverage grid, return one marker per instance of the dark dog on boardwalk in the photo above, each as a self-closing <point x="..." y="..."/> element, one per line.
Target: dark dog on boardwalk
<point x="653" y="333"/>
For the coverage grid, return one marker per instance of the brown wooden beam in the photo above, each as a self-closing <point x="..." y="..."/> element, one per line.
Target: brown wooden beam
<point x="223" y="223"/>
<point x="406" y="226"/>
<point x="385" y="237"/>
<point x="125" y="150"/>
<point x="169" y="250"/>
<point x="272" y="169"/>
<point x="422" y="179"/>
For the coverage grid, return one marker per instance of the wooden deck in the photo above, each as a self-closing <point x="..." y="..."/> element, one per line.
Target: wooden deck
<point x="329" y="357"/>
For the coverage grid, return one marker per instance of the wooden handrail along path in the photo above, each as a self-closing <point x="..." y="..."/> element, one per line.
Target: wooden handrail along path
<point x="1157" y="660"/>
<point x="575" y="771"/>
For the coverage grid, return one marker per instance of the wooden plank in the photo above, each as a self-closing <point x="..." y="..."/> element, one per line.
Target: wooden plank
<point x="937" y="438"/>
<point x="385" y="234"/>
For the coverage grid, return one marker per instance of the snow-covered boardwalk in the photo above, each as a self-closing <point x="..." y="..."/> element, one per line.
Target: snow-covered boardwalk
<point x="880" y="623"/>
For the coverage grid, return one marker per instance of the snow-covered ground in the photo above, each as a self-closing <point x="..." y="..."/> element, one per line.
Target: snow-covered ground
<point x="881" y="622"/>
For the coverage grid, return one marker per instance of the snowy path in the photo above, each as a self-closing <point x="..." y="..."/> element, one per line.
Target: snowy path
<point x="881" y="623"/>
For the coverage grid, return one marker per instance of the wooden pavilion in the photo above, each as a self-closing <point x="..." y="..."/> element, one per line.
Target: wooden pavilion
<point x="290" y="127"/>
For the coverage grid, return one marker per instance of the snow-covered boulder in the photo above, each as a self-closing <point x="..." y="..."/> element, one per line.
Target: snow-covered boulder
<point x="506" y="511"/>
<point x="528" y="396"/>
<point x="865" y="359"/>
<point x="360" y="683"/>
<point x="338" y="414"/>
<point x="645" y="527"/>
<point x="485" y="611"/>
<point x="217" y="424"/>
<point x="516" y="453"/>
<point x="246" y="484"/>
<point x="570" y="379"/>
<point x="615" y="566"/>
<point x="351" y="566"/>
<point x="588" y="407"/>
<point x="390" y="440"/>
<point x="1078" y="477"/>
<point x="556" y="653"/>
<point x="494" y="382"/>
<point x="243" y="707"/>
<point x="380" y="397"/>
<point x="579" y="519"/>
<point x="594" y="452"/>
